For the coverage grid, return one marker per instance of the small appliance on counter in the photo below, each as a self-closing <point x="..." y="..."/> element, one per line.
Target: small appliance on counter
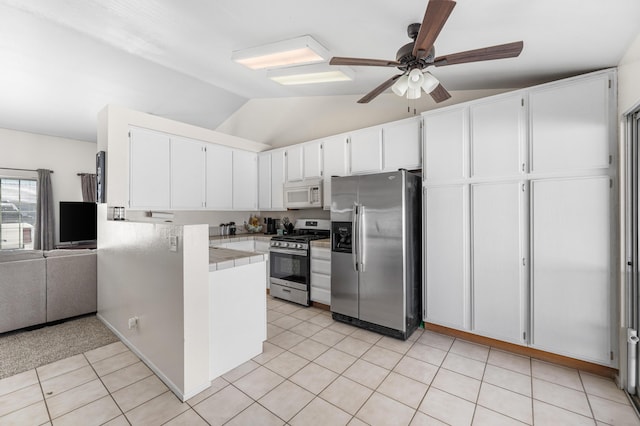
<point x="271" y="225"/>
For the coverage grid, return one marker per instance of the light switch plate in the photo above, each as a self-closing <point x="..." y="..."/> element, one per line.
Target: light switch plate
<point x="173" y="241"/>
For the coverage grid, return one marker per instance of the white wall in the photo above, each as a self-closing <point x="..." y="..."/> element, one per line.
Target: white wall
<point x="629" y="78"/>
<point x="66" y="157"/>
<point x="286" y="121"/>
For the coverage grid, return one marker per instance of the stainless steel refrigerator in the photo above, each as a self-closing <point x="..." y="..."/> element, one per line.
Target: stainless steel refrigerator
<point x="376" y="252"/>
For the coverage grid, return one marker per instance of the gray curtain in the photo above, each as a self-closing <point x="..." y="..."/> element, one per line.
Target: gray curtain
<point x="88" y="182"/>
<point x="43" y="239"/>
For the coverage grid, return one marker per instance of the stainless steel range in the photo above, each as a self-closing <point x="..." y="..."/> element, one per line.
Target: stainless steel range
<point x="290" y="260"/>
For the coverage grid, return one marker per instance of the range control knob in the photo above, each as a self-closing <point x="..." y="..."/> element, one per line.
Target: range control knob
<point x="299" y="246"/>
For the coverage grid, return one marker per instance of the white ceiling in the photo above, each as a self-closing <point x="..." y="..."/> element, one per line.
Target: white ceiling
<point x="61" y="61"/>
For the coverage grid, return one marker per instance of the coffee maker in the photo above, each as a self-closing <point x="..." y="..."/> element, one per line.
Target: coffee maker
<point x="271" y="226"/>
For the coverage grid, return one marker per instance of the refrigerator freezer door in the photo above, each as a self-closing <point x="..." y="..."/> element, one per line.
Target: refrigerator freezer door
<point x="344" y="277"/>
<point x="382" y="275"/>
<point x="344" y="285"/>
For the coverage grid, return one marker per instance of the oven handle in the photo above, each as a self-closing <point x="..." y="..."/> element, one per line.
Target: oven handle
<point x="354" y="235"/>
<point x="288" y="251"/>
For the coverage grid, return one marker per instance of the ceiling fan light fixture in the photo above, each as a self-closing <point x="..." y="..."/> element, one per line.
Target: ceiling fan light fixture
<point x="401" y="85"/>
<point x="415" y="78"/>
<point x="413" y="93"/>
<point x="296" y="51"/>
<point x="429" y="83"/>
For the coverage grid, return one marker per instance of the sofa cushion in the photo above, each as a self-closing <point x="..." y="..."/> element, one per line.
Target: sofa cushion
<point x="68" y="252"/>
<point x="15" y="255"/>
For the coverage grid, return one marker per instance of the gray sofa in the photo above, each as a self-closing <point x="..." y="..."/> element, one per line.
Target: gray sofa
<point x="38" y="287"/>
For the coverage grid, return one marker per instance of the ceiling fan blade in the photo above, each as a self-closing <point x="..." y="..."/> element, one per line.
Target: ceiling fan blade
<point x="440" y="94"/>
<point x="435" y="16"/>
<point x="336" y="60"/>
<point x="509" y="50"/>
<point x="375" y="92"/>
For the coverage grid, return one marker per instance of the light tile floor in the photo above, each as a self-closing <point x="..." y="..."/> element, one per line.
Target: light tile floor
<point x="315" y="371"/>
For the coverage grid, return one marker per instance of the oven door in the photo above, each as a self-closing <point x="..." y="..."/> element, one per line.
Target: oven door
<point x="290" y="268"/>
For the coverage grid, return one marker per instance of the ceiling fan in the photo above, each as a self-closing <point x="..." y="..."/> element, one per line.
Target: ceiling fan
<point x="414" y="57"/>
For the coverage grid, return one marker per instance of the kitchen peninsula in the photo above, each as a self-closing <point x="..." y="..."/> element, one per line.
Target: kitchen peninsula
<point x="178" y="304"/>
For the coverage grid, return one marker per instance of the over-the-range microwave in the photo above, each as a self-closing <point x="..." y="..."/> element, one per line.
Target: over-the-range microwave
<point x="303" y="195"/>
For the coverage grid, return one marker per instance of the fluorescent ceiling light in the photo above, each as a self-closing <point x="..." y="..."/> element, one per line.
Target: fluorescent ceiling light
<point x="301" y="50"/>
<point x="310" y="74"/>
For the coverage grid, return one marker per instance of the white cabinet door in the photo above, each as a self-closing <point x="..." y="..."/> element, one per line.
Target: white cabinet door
<point x="188" y="174"/>
<point x="149" y="169"/>
<point x="321" y="275"/>
<point x="570" y="125"/>
<point x="219" y="177"/>
<point x="294" y="163"/>
<point x="498" y="135"/>
<point x="445" y="257"/>
<point x="366" y="151"/>
<point x="312" y="155"/>
<point x="264" y="181"/>
<point x="446" y="144"/>
<point x="571" y="267"/>
<point x="245" y="180"/>
<point x="497" y="273"/>
<point x="402" y="145"/>
<point x="277" y="180"/>
<point x="334" y="151"/>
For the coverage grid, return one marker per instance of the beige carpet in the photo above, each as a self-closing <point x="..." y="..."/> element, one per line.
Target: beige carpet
<point x="23" y="350"/>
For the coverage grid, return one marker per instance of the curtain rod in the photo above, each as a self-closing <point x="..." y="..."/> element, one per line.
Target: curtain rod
<point x="84" y="174"/>
<point x="22" y="170"/>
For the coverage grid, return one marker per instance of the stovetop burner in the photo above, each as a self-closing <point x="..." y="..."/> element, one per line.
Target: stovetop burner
<point x="296" y="237"/>
<point x="307" y="230"/>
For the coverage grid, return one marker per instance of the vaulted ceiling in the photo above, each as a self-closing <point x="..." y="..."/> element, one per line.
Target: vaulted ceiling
<point x="61" y="61"/>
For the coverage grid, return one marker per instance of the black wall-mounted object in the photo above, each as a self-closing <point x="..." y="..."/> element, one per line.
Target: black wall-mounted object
<point x="100" y="177"/>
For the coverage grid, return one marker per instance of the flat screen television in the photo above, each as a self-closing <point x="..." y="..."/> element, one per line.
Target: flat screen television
<point x="78" y="221"/>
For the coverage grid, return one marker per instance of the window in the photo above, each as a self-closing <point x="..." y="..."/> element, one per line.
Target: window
<point x="18" y="199"/>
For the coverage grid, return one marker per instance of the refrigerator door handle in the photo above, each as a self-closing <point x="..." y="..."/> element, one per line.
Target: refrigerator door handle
<point x="354" y="235"/>
<point x="361" y="239"/>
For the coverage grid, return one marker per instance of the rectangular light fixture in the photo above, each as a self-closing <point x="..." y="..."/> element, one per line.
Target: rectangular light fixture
<point x="296" y="51"/>
<point x="310" y="74"/>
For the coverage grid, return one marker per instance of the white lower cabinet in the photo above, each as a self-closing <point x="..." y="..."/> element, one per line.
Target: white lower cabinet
<point x="445" y="256"/>
<point x="498" y="273"/>
<point x="263" y="247"/>
<point x="571" y="267"/>
<point x="321" y="275"/>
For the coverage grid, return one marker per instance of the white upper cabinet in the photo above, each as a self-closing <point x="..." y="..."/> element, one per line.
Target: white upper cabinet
<point x="334" y="151"/>
<point x="219" y="177"/>
<point x="188" y="174"/>
<point x="498" y="136"/>
<point x="366" y="151"/>
<point x="294" y="163"/>
<point x="402" y="145"/>
<point x="445" y="144"/>
<point x="570" y="125"/>
<point x="264" y="181"/>
<point x="277" y="180"/>
<point x="270" y="180"/>
<point x="149" y="169"/>
<point x="498" y="279"/>
<point x="312" y="156"/>
<point x="245" y="180"/>
<point x="571" y="267"/>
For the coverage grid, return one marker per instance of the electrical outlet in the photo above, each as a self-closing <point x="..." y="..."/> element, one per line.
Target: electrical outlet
<point x="133" y="323"/>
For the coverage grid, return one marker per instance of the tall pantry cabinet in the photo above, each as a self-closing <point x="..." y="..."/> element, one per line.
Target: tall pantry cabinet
<point x="519" y="217"/>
